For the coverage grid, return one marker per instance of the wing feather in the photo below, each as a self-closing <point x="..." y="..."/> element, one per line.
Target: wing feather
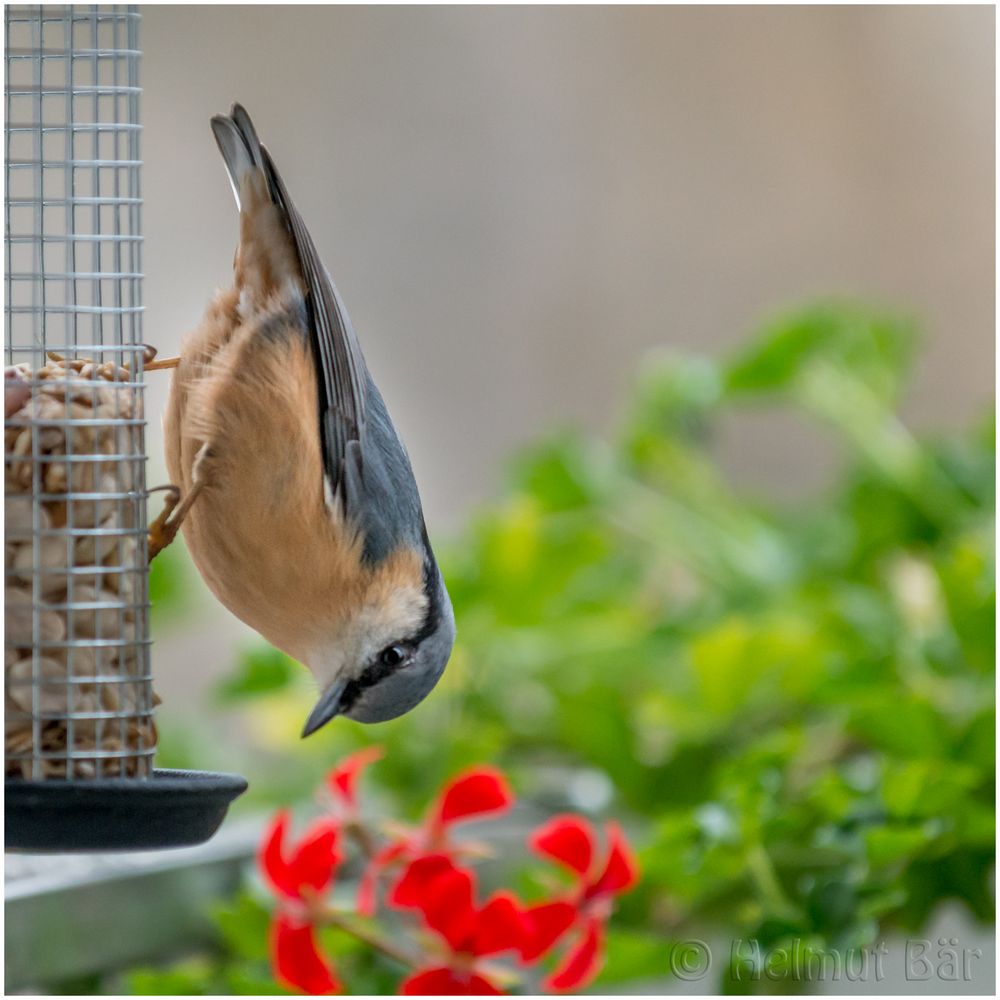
<point x="342" y="374"/>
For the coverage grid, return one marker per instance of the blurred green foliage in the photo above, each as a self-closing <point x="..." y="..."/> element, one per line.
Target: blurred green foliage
<point x="791" y="706"/>
<point x="168" y="592"/>
<point x="242" y="966"/>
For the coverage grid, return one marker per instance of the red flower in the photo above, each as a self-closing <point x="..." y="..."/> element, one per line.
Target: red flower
<point x="444" y="982"/>
<point x="297" y="878"/>
<point x="296" y="960"/>
<point x="475" y="792"/>
<point x="571" y="842"/>
<point x="434" y="885"/>
<point x="311" y="865"/>
<point x="342" y="781"/>
<point x="444" y="895"/>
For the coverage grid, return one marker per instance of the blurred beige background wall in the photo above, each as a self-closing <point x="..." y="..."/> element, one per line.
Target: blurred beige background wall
<point x="518" y="203"/>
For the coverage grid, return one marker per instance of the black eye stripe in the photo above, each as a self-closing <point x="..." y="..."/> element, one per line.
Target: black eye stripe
<point x="378" y="670"/>
<point x="371" y="675"/>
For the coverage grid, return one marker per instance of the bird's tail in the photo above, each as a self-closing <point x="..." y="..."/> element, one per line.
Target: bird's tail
<point x="268" y="257"/>
<point x="241" y="149"/>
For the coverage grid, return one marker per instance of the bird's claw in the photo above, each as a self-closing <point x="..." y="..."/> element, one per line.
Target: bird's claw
<point x="163" y="531"/>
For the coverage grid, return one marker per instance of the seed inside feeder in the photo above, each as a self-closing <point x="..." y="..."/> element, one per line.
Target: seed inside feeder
<point x="78" y="698"/>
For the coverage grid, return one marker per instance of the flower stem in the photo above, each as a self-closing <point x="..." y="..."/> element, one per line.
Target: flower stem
<point x="363" y="836"/>
<point x="333" y="918"/>
<point x="329" y="917"/>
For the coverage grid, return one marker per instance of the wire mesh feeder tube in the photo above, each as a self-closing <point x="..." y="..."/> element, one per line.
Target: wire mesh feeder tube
<point x="79" y="731"/>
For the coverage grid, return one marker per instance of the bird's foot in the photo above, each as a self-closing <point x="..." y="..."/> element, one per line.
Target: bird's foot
<point x="164" y="529"/>
<point x="161" y="531"/>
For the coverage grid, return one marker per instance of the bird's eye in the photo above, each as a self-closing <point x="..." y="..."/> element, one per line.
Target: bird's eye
<point x="392" y="656"/>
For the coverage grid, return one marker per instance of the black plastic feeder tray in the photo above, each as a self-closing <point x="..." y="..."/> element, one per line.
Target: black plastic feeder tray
<point x="170" y="809"/>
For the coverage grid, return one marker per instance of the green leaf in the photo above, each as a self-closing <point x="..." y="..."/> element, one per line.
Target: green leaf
<point x="633" y="955"/>
<point x="178" y="981"/>
<point x="900" y="725"/>
<point x="261" y="670"/>
<point x="169" y="584"/>
<point x="244" y="925"/>
<point x="913" y="788"/>
<point x="890" y="844"/>
<point x="874" y="347"/>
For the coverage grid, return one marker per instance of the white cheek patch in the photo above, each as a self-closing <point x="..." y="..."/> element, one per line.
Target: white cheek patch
<point x="381" y="625"/>
<point x="368" y="632"/>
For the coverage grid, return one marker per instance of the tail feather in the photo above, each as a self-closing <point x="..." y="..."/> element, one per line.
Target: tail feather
<point x="240" y="148"/>
<point x="267" y="258"/>
<point x="242" y="121"/>
<point x="234" y="152"/>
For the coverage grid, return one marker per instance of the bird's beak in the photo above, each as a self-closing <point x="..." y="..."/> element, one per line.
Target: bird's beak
<point x="326" y="708"/>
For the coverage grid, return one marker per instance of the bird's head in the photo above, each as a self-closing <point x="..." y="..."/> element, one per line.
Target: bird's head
<point x="391" y="650"/>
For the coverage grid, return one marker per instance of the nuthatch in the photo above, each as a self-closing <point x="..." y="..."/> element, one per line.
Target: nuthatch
<point x="300" y="508"/>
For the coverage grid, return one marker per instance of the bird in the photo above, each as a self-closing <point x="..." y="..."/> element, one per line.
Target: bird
<point x="291" y="485"/>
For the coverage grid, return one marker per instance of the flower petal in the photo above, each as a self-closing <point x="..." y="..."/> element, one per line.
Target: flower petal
<point x="448" y="909"/>
<point x="271" y="858"/>
<point x="547" y="922"/>
<point x="569" y="840"/>
<point x="582" y="962"/>
<point x="411" y="889"/>
<point x="474" y="792"/>
<point x="316" y="858"/>
<point x="446" y="982"/>
<point x="443" y="894"/>
<point x="312" y="862"/>
<point x="500" y="925"/>
<point x="621" y="871"/>
<point x="343" y="779"/>
<point x="296" y="960"/>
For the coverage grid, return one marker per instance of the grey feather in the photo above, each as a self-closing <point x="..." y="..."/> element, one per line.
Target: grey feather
<point x="382" y="488"/>
<point x="234" y="152"/>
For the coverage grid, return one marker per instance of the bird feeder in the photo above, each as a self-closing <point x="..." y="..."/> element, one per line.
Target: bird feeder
<point x="80" y="736"/>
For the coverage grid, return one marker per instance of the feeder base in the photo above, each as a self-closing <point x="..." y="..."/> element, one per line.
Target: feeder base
<point x="170" y="809"/>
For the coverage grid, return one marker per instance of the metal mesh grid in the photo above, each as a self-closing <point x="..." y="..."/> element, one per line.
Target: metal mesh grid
<point x="79" y="695"/>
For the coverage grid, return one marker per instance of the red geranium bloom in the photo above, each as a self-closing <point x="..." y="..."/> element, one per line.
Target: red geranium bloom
<point x="296" y="959"/>
<point x="342" y="781"/>
<point x="298" y="878"/>
<point x="444" y="895"/>
<point x="311" y="864"/>
<point x="571" y="842"/>
<point x="475" y="792"/>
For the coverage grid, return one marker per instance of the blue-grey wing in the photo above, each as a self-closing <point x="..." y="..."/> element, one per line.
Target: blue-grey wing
<point x="379" y="486"/>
